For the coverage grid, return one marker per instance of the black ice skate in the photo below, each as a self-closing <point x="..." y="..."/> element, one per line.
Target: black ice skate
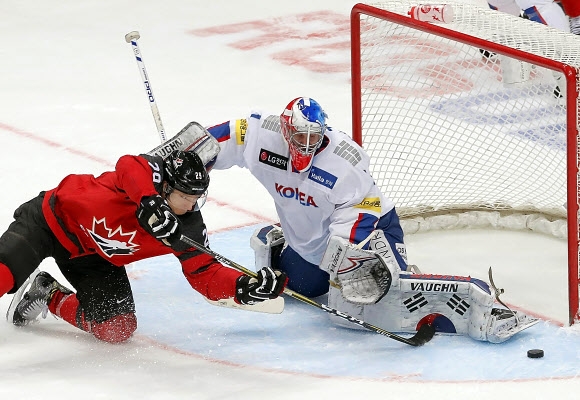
<point x="27" y="306"/>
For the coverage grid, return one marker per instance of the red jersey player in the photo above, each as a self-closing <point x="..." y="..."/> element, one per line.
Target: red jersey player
<point x="94" y="226"/>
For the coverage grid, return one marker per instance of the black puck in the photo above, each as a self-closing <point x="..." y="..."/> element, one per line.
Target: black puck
<point x="535" y="353"/>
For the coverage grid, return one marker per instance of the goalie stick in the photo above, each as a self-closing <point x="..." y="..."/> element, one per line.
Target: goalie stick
<point x="423" y="335"/>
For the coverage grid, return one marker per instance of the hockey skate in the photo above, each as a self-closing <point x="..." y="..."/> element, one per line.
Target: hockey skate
<point x="505" y="323"/>
<point x="27" y="305"/>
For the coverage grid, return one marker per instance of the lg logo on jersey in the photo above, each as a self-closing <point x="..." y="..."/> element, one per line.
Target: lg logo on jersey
<point x="273" y="159"/>
<point x="294" y="193"/>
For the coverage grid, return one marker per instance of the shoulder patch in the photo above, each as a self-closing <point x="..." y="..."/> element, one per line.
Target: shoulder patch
<point x="322" y="177"/>
<point x="370" y="204"/>
<point x="241" y="128"/>
<point x="273" y="160"/>
<point x="348" y="152"/>
<point x="271" y="123"/>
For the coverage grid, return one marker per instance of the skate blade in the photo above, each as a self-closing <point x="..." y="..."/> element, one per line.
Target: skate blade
<point x="19" y="294"/>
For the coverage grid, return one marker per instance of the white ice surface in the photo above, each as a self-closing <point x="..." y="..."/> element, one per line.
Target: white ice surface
<point x="72" y="101"/>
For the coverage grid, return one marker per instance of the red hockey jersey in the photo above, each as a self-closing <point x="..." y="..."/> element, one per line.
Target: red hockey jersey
<point x="91" y="215"/>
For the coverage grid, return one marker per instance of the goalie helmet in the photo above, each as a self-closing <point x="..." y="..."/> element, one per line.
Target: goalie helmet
<point x="303" y="123"/>
<point x="185" y="172"/>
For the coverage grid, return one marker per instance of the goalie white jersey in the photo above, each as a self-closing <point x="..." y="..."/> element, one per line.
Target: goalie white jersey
<point x="336" y="197"/>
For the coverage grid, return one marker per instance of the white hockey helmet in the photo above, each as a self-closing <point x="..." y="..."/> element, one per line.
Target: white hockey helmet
<point x="303" y="123"/>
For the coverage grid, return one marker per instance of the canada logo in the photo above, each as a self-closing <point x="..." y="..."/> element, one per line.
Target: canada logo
<point x="112" y="243"/>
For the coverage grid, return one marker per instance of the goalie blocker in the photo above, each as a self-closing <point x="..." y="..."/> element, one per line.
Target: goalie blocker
<point x="370" y="285"/>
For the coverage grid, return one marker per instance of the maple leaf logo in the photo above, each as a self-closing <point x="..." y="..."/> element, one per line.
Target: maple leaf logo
<point x="112" y="243"/>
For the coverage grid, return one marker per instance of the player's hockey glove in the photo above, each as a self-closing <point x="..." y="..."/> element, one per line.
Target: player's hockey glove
<point x="268" y="285"/>
<point x="157" y="218"/>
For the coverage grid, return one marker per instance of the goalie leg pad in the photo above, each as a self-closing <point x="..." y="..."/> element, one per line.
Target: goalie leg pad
<point x="416" y="299"/>
<point x="267" y="243"/>
<point x="453" y="304"/>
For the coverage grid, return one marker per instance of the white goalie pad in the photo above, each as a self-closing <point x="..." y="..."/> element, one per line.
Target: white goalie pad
<point x="193" y="137"/>
<point x="362" y="275"/>
<point x="452" y="304"/>
<point x="263" y="241"/>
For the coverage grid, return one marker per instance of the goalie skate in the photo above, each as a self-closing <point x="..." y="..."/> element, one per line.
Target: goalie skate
<point x="504" y="323"/>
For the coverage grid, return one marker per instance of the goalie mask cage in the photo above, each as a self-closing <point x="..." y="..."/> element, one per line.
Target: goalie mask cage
<point x="472" y="123"/>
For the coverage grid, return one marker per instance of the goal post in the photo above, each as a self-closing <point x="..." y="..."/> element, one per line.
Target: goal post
<point x="471" y="123"/>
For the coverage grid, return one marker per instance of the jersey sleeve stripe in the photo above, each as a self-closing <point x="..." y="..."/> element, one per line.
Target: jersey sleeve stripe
<point x="221" y="132"/>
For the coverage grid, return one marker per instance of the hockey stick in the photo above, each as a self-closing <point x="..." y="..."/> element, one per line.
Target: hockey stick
<point x="132" y="37"/>
<point x="424" y="334"/>
<point x="205" y="149"/>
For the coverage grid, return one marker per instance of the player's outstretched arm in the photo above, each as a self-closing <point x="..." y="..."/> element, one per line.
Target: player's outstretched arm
<point x="267" y="285"/>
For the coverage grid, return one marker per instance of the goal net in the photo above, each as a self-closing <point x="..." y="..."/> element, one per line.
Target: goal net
<point x="472" y="122"/>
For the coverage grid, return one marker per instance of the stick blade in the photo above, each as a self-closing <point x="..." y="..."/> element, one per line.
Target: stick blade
<point x="274" y="306"/>
<point x="423" y="335"/>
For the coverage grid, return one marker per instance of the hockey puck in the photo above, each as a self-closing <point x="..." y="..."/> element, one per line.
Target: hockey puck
<point x="535" y="353"/>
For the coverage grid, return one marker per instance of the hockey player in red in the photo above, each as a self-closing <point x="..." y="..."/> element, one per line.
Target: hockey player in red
<point x="94" y="226"/>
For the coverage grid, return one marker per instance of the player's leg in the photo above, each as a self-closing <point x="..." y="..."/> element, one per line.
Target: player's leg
<point x="267" y="243"/>
<point x="23" y="246"/>
<point x="6" y="280"/>
<point x="27" y="241"/>
<point x="452" y="304"/>
<point x="303" y="277"/>
<point x="103" y="304"/>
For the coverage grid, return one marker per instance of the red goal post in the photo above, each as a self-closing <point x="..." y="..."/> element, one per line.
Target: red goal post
<point x="472" y="123"/>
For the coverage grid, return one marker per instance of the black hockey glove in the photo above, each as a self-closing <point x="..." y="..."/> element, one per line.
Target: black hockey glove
<point x="268" y="285"/>
<point x="157" y="218"/>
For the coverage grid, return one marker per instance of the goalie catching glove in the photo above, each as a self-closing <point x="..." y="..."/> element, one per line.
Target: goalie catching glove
<point x="268" y="285"/>
<point x="361" y="275"/>
<point x="157" y="218"/>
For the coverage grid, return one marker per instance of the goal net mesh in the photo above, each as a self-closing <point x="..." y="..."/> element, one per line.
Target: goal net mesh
<point x="459" y="134"/>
